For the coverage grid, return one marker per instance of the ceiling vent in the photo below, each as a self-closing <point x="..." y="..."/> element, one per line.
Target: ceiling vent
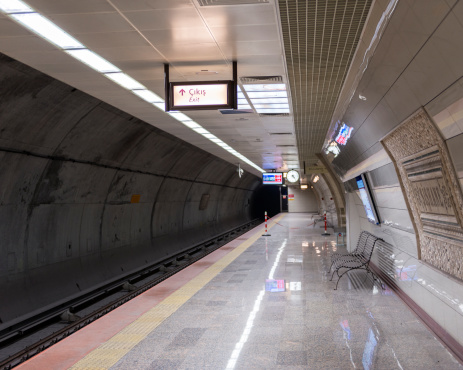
<point x="280" y="133"/>
<point x="285" y="145"/>
<point x="274" y="114"/>
<point x="230" y="2"/>
<point x="261" y="79"/>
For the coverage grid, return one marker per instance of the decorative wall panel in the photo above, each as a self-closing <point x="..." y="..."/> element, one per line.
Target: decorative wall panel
<point x="431" y="189"/>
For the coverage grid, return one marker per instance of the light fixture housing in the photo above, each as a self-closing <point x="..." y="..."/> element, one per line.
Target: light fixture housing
<point x="93" y="60"/>
<point x="125" y="81"/>
<point x="40" y="25"/>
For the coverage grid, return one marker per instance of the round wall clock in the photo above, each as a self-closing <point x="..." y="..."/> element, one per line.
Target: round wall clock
<point x="292" y="176"/>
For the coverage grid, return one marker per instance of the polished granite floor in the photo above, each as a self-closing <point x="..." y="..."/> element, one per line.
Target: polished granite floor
<point x="242" y="320"/>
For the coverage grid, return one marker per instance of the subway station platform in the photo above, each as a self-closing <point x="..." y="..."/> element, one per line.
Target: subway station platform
<point x="259" y="302"/>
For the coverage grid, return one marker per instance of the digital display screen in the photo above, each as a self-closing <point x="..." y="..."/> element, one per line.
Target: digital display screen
<point x="366" y="200"/>
<point x="272" y="178"/>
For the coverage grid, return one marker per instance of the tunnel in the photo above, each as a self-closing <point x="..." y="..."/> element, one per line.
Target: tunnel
<point x="340" y="117"/>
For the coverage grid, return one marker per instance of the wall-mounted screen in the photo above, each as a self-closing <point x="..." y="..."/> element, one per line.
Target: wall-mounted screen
<point x="272" y="178"/>
<point x="367" y="200"/>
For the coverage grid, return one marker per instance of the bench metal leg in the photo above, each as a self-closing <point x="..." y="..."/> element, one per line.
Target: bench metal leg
<point x="335" y="271"/>
<point x="332" y="263"/>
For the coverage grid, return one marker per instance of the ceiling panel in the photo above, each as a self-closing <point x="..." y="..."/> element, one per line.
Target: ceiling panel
<point x="179" y="36"/>
<point x="90" y="23"/>
<point x="165" y="19"/>
<point x="69" y="7"/>
<point x="121" y="39"/>
<point x="245" y="33"/>
<point x="134" y="5"/>
<point x="222" y="16"/>
<point x="320" y="38"/>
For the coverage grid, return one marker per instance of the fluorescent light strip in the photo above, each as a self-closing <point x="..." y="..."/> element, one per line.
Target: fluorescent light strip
<point x="48" y="30"/>
<point x="179" y="116"/>
<point x="148" y="96"/>
<point x="14" y="6"/>
<point x="93" y="60"/>
<point x="125" y="81"/>
<point x="29" y="18"/>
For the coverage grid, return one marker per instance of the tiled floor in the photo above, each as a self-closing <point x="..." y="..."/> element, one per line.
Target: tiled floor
<point x="235" y="322"/>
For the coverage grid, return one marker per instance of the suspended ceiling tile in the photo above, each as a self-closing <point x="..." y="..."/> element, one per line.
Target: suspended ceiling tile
<point x="165" y="19"/>
<point x="239" y="49"/>
<point x="69" y="7"/>
<point x="191" y="52"/>
<point x="115" y="54"/>
<point x="91" y="23"/>
<point x="179" y="36"/>
<point x="239" y="15"/>
<point x="245" y="33"/>
<point x="113" y="39"/>
<point x="137" y="5"/>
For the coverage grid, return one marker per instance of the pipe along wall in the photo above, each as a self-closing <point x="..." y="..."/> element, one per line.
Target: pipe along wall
<point x="89" y="193"/>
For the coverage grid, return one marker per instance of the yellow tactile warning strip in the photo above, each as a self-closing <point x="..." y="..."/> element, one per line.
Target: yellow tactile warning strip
<point x="107" y="354"/>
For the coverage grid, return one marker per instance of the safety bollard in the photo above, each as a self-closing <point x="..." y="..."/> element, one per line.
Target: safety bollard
<point x="266" y="229"/>
<point x="325" y="233"/>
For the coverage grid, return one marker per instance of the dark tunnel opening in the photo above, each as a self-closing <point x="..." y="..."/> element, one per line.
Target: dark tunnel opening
<point x="266" y="198"/>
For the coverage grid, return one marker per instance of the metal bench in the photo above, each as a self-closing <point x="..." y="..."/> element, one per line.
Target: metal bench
<point x="363" y="237"/>
<point x="354" y="262"/>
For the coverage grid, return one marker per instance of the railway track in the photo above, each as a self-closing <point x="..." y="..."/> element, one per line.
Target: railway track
<point x="24" y="340"/>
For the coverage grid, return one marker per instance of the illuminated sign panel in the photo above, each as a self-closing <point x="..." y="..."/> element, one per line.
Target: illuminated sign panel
<point x="201" y="95"/>
<point x="344" y="134"/>
<point x="273" y="178"/>
<point x="367" y="201"/>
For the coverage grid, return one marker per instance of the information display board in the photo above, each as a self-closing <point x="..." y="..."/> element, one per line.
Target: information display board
<point x="367" y="200"/>
<point x="272" y="178"/>
<point x="201" y="95"/>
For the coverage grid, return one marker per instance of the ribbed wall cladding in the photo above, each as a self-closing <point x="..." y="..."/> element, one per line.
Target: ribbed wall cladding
<point x="70" y="166"/>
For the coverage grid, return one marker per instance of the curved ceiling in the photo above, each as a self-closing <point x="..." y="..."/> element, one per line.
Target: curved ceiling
<point x="197" y="36"/>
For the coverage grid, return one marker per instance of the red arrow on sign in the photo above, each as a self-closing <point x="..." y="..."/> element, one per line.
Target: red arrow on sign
<point x="182" y="92"/>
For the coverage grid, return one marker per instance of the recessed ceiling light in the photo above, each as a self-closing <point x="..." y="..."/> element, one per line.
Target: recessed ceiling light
<point x="14" y="6"/>
<point x="191" y="124"/>
<point x="93" y="60"/>
<point x="148" y="96"/>
<point x="201" y="130"/>
<point x="48" y="30"/>
<point x="125" y="81"/>
<point x="179" y="116"/>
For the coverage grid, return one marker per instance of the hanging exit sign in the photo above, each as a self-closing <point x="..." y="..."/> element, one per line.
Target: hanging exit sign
<point x="202" y="95"/>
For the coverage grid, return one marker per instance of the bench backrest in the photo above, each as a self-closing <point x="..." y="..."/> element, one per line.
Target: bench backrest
<point x="369" y="246"/>
<point x="361" y="242"/>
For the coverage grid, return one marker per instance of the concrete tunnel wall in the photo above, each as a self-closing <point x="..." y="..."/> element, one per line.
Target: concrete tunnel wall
<point x="69" y="165"/>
